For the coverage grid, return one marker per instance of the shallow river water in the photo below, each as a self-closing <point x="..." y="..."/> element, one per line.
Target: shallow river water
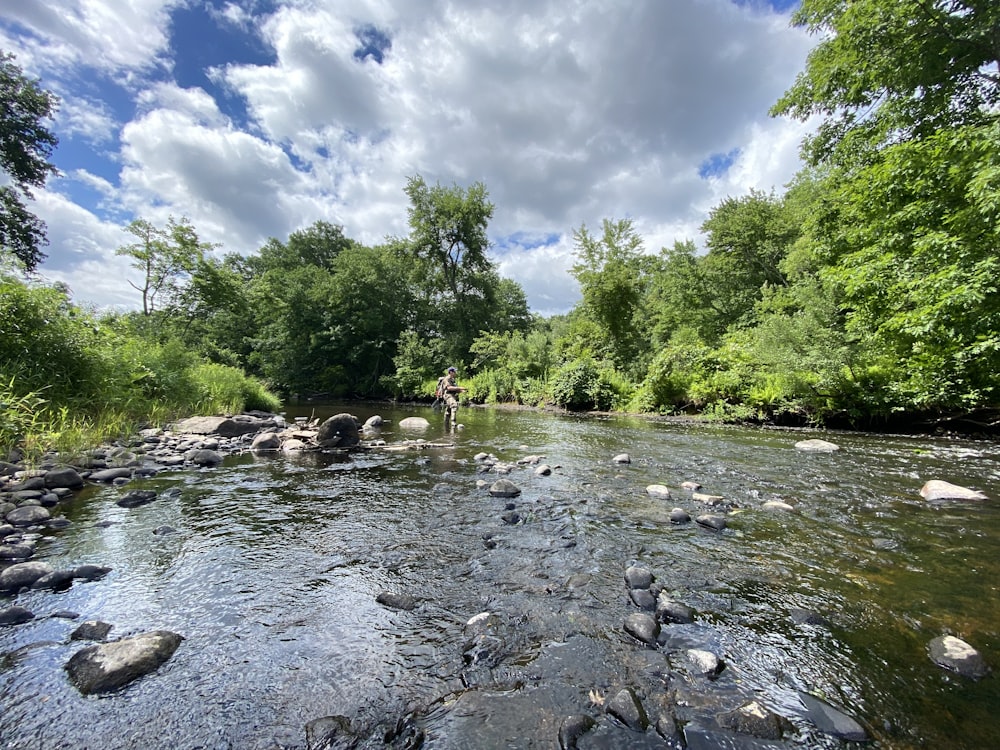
<point x="273" y="575"/>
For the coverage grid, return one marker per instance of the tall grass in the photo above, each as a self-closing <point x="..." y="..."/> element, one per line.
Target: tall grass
<point x="69" y="380"/>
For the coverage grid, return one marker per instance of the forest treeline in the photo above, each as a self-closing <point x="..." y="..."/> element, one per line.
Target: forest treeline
<point x="864" y="295"/>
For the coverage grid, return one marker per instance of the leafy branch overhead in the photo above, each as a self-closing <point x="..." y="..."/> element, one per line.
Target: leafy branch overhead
<point x="26" y="145"/>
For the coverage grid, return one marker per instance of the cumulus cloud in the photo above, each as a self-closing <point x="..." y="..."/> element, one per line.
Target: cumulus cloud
<point x="569" y="112"/>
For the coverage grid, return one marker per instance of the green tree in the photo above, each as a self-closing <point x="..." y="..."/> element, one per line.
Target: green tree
<point x="612" y="280"/>
<point x="747" y="239"/>
<point x="165" y="257"/>
<point x="25" y="147"/>
<point x="448" y="241"/>
<point x="908" y="91"/>
<point x="888" y="71"/>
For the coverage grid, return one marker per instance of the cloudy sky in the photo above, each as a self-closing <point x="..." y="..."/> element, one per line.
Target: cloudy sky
<point x="254" y="118"/>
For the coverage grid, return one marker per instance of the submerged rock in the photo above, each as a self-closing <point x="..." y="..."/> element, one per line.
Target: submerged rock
<point x="935" y="489"/>
<point x="955" y="654"/>
<point x="832" y="720"/>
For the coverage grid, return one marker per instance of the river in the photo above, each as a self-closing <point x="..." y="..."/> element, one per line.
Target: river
<point x="273" y="574"/>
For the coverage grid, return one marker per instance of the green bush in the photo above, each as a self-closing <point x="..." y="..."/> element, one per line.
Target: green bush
<point x="583" y="384"/>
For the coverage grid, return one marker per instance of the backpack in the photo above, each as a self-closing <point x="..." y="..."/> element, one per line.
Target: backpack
<point x="439" y="393"/>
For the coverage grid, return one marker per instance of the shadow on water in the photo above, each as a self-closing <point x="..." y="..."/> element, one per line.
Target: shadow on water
<point x="274" y="570"/>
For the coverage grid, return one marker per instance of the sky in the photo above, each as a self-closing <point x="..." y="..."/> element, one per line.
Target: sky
<point x="255" y="118"/>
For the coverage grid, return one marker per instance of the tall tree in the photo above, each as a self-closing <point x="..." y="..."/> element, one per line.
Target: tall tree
<point x="164" y="257"/>
<point x="747" y="239"/>
<point x="25" y="147"/>
<point x="449" y="242"/>
<point x="909" y="92"/>
<point x="612" y="280"/>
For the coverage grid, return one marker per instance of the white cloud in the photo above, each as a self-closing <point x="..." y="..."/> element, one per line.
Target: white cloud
<point x="569" y="112"/>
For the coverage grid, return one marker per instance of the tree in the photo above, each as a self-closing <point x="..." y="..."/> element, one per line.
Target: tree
<point x="612" y="280"/>
<point x="889" y="71"/>
<point x="449" y="243"/>
<point x="164" y="257"/>
<point x="25" y="147"/>
<point x="908" y="240"/>
<point x="747" y="239"/>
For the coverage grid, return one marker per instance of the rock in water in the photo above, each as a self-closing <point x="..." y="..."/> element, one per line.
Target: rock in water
<point x="935" y="489"/>
<point x="955" y="654"/>
<point x="109" y="666"/>
<point x="339" y="431"/>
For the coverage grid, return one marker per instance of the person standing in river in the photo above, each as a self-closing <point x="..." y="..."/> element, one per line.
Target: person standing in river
<point x="448" y="390"/>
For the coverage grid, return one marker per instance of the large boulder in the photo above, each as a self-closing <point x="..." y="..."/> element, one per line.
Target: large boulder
<point x="63" y="476"/>
<point x="106" y="667"/>
<point x="816" y="446"/>
<point x="339" y="431"/>
<point x="28" y="515"/>
<point x="414" y="423"/>
<point x="22" y="575"/>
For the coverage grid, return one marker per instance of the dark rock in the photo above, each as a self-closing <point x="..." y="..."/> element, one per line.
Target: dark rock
<point x="339" y="431"/>
<point x="668" y="610"/>
<point x="91" y="572"/>
<point x="573" y="728"/>
<point x="28" y="515"/>
<point x="396" y="601"/>
<point x="16" y="551"/>
<point x="642" y="627"/>
<point x="637" y="577"/>
<point x="511" y="518"/>
<point x="708" y="521"/>
<point x="109" y="666"/>
<point x="831" y="720"/>
<point x="28" y="485"/>
<point x="643" y="599"/>
<point x="627" y="708"/>
<point x="164" y="530"/>
<point x="135" y="498"/>
<point x="266" y="441"/>
<point x="504" y="488"/>
<point x="110" y="475"/>
<point x="64" y="476"/>
<point x="753" y="719"/>
<point x="91" y="630"/>
<point x="955" y="654"/>
<point x="57" y="580"/>
<point x="203" y="457"/>
<point x="15" y="616"/>
<point x="22" y="575"/>
<point x="807" y="617"/>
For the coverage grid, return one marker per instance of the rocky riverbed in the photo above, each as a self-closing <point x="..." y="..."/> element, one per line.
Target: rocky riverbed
<point x="685" y="691"/>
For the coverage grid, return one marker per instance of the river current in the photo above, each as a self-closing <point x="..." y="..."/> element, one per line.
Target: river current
<point x="277" y="561"/>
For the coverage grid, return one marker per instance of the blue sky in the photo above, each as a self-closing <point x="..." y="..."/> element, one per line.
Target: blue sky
<point x="254" y="118"/>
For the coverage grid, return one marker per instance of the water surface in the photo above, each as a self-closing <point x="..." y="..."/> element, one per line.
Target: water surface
<point x="273" y="574"/>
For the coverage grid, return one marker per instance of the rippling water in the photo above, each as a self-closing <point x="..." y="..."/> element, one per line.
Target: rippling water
<point x="273" y="574"/>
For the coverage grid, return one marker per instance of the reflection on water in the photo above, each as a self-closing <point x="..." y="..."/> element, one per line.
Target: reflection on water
<point x="273" y="572"/>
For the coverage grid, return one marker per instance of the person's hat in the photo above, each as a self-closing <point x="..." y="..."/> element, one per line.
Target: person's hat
<point x="452" y="369"/>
